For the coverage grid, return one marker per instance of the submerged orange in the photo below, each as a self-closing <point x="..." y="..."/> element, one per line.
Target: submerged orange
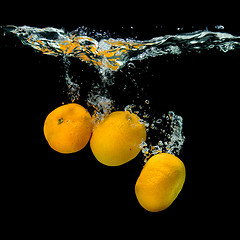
<point x="117" y="138"/>
<point x="160" y="182"/>
<point x="68" y="128"/>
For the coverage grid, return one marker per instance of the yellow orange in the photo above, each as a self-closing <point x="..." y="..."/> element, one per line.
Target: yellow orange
<point x="68" y="128"/>
<point x="116" y="139"/>
<point x="160" y="182"/>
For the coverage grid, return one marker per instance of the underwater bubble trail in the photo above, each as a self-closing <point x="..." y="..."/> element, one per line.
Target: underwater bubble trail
<point x="169" y="129"/>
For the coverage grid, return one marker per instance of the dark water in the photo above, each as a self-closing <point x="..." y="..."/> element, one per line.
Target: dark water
<point x="191" y="74"/>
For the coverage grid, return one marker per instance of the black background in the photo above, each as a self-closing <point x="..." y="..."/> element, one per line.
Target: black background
<point x="42" y="187"/>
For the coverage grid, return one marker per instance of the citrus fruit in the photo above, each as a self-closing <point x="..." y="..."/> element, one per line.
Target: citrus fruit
<point x="117" y="138"/>
<point x="160" y="182"/>
<point x="68" y="128"/>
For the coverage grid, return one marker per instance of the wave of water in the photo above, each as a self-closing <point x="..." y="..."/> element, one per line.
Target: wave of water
<point x="108" y="55"/>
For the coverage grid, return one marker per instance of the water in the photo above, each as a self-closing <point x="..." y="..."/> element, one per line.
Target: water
<point x="108" y="55"/>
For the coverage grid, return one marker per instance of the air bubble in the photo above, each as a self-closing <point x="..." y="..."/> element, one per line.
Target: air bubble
<point x="129" y="108"/>
<point x="219" y="27"/>
<point x="159" y="120"/>
<point x="131" y="65"/>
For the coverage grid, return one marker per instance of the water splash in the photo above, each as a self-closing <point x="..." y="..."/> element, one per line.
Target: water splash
<point x="108" y="55"/>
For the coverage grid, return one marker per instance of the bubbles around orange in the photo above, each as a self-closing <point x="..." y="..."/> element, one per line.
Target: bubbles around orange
<point x="68" y="128"/>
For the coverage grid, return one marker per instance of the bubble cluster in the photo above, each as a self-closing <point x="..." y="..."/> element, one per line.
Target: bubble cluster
<point x="165" y="133"/>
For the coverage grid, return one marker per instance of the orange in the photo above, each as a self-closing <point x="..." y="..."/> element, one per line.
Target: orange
<point x="160" y="182"/>
<point x="117" y="138"/>
<point x="68" y="128"/>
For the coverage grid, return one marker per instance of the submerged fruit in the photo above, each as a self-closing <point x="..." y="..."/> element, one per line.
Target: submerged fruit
<point x="160" y="182"/>
<point x="116" y="139"/>
<point x="68" y="128"/>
